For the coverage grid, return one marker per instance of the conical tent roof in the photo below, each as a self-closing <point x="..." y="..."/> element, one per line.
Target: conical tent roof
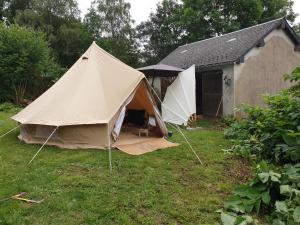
<point x="90" y="92"/>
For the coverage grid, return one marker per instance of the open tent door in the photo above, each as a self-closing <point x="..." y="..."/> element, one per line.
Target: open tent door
<point x="179" y="103"/>
<point x="139" y="114"/>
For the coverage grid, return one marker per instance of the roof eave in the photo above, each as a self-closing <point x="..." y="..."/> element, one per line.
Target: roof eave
<point x="215" y="66"/>
<point x="283" y="24"/>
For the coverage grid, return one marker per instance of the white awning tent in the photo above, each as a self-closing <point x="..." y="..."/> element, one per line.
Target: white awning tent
<point x="179" y="103"/>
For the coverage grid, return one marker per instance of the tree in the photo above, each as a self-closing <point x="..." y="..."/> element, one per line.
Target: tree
<point x="10" y="8"/>
<point x="1" y="10"/>
<point x="173" y="23"/>
<point x="71" y="40"/>
<point x="297" y="28"/>
<point x="26" y="65"/>
<point x="60" y="20"/>
<point x="111" y="25"/>
<point x="109" y="18"/>
<point x="223" y="16"/>
<point x="274" y="9"/>
<point x="163" y="32"/>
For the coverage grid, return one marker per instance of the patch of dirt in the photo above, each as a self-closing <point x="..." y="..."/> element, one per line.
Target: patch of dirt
<point x="239" y="172"/>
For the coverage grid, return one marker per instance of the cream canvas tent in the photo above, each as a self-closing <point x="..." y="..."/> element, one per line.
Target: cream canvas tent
<point x="86" y="108"/>
<point x="180" y="100"/>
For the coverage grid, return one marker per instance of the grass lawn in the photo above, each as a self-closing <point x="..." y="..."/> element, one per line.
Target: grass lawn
<point x="163" y="187"/>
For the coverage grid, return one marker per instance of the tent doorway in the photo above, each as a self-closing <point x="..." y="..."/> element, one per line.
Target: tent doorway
<point x="209" y="92"/>
<point x="141" y="127"/>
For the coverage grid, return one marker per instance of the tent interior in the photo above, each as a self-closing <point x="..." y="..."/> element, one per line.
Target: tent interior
<point x="141" y="131"/>
<point x="140" y="114"/>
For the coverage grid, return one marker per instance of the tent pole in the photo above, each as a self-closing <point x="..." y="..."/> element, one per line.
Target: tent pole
<point x="109" y="151"/>
<point x="110" y="164"/>
<point x="43" y="145"/>
<point x="3" y="135"/>
<point x="178" y="129"/>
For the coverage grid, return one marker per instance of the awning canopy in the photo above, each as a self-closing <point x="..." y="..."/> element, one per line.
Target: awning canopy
<point x="160" y="70"/>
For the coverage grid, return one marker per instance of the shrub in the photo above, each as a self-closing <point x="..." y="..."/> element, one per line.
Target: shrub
<point x="295" y="78"/>
<point x="226" y="121"/>
<point x="9" y="107"/>
<point x="26" y="65"/>
<point x="271" y="133"/>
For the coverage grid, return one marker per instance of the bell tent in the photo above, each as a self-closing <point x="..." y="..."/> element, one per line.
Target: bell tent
<point x="100" y="102"/>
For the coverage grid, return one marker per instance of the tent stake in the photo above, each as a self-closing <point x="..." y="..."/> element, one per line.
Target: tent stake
<point x="42" y="146"/>
<point x="2" y="136"/>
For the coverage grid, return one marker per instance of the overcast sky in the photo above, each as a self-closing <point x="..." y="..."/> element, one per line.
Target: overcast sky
<point x="141" y="9"/>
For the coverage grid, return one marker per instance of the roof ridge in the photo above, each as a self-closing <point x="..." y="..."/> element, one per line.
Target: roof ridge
<point x="232" y="32"/>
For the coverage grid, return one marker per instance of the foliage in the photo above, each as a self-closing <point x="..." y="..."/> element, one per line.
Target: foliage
<point x="163" y="32"/>
<point x="296" y="28"/>
<point x="61" y="22"/>
<point x="273" y="132"/>
<point x="222" y="16"/>
<point x="227" y="121"/>
<point x="179" y="22"/>
<point x="295" y="78"/>
<point x="111" y="25"/>
<point x="230" y="218"/>
<point x="26" y="66"/>
<point x="109" y="22"/>
<point x="275" y="193"/>
<point x="9" y="108"/>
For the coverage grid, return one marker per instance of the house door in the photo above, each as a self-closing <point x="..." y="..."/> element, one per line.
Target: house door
<point x="212" y="92"/>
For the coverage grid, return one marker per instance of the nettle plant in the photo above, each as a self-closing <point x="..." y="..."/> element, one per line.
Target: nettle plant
<point x="271" y="193"/>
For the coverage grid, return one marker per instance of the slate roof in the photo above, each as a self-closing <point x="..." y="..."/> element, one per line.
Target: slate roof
<point x="226" y="49"/>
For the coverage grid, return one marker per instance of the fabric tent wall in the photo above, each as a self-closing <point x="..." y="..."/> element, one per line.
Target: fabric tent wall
<point x="180" y="99"/>
<point x="91" y="135"/>
<point x="71" y="137"/>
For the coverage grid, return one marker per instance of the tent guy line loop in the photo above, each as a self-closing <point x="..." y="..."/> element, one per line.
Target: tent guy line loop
<point x="178" y="129"/>
<point x="3" y="135"/>
<point x="43" y="145"/>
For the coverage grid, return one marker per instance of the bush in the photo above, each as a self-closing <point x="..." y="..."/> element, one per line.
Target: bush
<point x="26" y="65"/>
<point x="227" y="121"/>
<point x="9" y="107"/>
<point x="273" y="132"/>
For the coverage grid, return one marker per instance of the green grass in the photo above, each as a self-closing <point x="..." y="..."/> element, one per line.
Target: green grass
<point x="164" y="187"/>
